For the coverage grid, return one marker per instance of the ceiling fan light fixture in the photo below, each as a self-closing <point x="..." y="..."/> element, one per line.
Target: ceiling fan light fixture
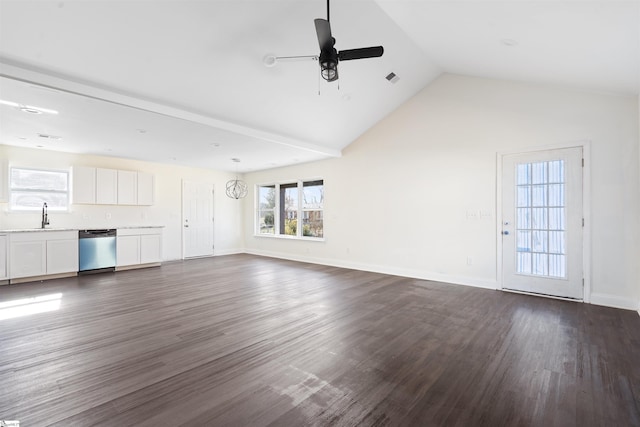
<point x="329" y="70"/>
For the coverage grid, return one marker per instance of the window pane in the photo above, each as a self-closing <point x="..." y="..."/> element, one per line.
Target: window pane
<point x="556" y="242"/>
<point x="31" y="179"/>
<point x="556" y="195"/>
<point x="266" y="222"/>
<point x="33" y="200"/>
<point x="556" y="171"/>
<point x="312" y="224"/>
<point x="313" y="195"/>
<point x="524" y="218"/>
<point x="539" y="173"/>
<point x="524" y="263"/>
<point x="524" y="196"/>
<point x="539" y="218"/>
<point x="539" y="195"/>
<point x="524" y="174"/>
<point x="556" y="218"/>
<point x="524" y="241"/>
<point x="540" y="265"/>
<point x="289" y="209"/>
<point x="539" y="241"/>
<point x="267" y="197"/>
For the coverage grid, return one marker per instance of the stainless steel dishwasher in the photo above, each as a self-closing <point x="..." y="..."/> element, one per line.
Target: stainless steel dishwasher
<point x="97" y="250"/>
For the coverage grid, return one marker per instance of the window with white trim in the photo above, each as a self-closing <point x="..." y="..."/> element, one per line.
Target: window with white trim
<point x="30" y="189"/>
<point x="292" y="209"/>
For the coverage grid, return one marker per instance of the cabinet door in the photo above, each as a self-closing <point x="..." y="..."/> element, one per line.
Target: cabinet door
<point x="127" y="250"/>
<point x="106" y="186"/>
<point x="28" y="258"/>
<point x="4" y="180"/>
<point x="150" y="248"/>
<point x="145" y="189"/>
<point x="62" y="256"/>
<point x="84" y="185"/>
<point x="127" y="188"/>
<point x="3" y="257"/>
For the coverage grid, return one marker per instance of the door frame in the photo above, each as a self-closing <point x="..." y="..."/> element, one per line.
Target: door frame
<point x="586" y="212"/>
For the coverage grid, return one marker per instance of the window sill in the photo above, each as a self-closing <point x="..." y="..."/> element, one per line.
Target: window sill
<point x="280" y="236"/>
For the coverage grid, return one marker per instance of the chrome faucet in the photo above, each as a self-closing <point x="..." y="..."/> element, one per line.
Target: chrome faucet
<point x="45" y="216"/>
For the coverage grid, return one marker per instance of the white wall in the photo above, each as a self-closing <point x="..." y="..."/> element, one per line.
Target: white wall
<point x="166" y="211"/>
<point x="397" y="201"/>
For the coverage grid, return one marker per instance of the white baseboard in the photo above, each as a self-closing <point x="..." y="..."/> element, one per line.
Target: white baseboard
<point x="235" y="251"/>
<point x="382" y="269"/>
<point x="614" y="301"/>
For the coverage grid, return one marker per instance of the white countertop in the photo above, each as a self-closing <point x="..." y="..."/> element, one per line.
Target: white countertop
<point x="30" y="230"/>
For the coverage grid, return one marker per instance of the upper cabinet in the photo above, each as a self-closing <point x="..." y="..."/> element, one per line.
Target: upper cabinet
<point x="145" y="189"/>
<point x="106" y="186"/>
<point x="127" y="188"/>
<point x="112" y="187"/>
<point x="4" y="180"/>
<point x="84" y="185"/>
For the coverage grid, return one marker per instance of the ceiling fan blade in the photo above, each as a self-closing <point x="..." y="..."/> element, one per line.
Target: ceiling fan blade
<point x="364" y="52"/>
<point x="323" y="29"/>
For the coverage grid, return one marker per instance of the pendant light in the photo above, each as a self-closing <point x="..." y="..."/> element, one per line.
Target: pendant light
<point x="236" y="188"/>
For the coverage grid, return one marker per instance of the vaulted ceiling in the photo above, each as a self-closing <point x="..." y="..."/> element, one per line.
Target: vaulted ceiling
<point x="186" y="81"/>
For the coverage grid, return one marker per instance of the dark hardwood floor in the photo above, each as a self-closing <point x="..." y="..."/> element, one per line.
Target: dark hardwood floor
<point x="249" y="341"/>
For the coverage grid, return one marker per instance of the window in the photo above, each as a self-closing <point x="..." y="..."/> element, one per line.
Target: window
<point x="282" y="207"/>
<point x="31" y="188"/>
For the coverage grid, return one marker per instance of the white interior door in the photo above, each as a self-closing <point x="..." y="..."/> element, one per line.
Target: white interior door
<point x="197" y="219"/>
<point x="542" y="222"/>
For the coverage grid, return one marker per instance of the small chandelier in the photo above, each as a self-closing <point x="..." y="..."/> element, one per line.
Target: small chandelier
<point x="236" y="188"/>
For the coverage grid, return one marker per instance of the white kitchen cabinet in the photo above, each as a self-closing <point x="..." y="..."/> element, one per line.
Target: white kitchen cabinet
<point x="4" y="180"/>
<point x="62" y="255"/>
<point x="150" y="248"/>
<point x="138" y="246"/>
<point x="106" y="186"/>
<point x="84" y="185"/>
<point x="28" y="258"/>
<point x="127" y="188"/>
<point x="41" y="253"/>
<point x="4" y="242"/>
<point x="127" y="250"/>
<point x="111" y="187"/>
<point x="145" y="189"/>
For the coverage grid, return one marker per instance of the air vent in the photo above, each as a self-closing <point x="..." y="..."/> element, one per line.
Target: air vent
<point x="393" y="78"/>
<point x="51" y="137"/>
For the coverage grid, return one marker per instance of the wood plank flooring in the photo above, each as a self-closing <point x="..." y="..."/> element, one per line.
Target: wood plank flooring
<point x="251" y="341"/>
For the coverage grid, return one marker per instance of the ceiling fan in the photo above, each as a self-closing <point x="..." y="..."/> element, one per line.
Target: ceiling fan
<point x="329" y="56"/>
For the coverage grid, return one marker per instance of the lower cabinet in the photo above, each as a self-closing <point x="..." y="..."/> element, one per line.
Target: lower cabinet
<point x="42" y="253"/>
<point x="138" y="247"/>
<point x="4" y="250"/>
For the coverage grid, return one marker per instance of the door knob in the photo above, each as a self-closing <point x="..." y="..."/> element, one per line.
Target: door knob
<point x="506" y="233"/>
<point x="186" y="226"/>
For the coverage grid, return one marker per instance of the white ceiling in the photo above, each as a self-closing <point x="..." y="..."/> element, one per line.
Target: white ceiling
<point x="184" y="81"/>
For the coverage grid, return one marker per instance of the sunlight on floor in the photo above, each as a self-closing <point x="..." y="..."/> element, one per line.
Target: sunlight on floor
<point x="28" y="306"/>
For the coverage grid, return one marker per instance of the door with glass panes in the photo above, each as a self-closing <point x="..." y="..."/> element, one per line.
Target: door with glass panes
<point x="542" y="222"/>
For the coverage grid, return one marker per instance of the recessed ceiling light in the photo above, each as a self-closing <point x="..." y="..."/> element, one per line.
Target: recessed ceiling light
<point x="28" y="108"/>
<point x="509" y="42"/>
<point x="51" y="137"/>
<point x="214" y="144"/>
<point x="235" y="159"/>
<point x="141" y="130"/>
